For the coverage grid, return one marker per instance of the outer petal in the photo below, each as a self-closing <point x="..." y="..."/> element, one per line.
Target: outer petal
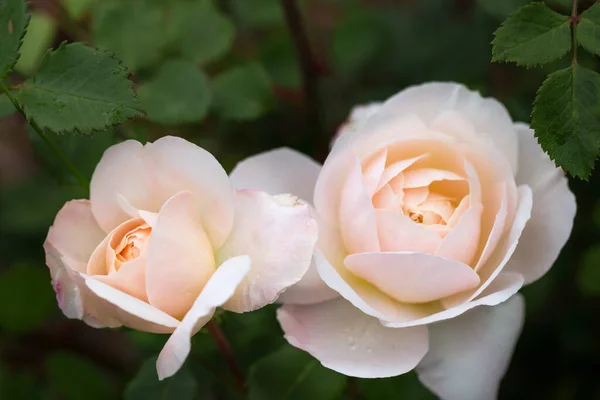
<point x="413" y="277"/>
<point x="147" y="176"/>
<point x="366" y="297"/>
<point x="74" y="298"/>
<point x="128" y="310"/>
<point x="216" y="292"/>
<point x="348" y="341"/>
<point x="180" y="257"/>
<point x="75" y="232"/>
<point x="311" y="288"/>
<point x="278" y="171"/>
<point x="475" y="348"/>
<point x="504" y="286"/>
<point x="430" y="100"/>
<point x="552" y="213"/>
<point x="124" y="169"/>
<point x="182" y="166"/>
<point x="279" y="234"/>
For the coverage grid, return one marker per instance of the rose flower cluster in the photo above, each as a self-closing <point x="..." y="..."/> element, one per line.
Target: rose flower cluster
<point x="431" y="208"/>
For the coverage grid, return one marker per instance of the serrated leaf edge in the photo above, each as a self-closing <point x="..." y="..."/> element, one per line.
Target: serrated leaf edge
<point x="10" y="67"/>
<point x="519" y="63"/>
<point x="90" y="132"/>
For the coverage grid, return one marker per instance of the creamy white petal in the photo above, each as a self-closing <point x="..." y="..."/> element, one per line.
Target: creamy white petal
<point x="346" y="340"/>
<point x="469" y="355"/>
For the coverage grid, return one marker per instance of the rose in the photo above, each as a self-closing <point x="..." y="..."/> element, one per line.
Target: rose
<point x="164" y="240"/>
<point x="429" y="205"/>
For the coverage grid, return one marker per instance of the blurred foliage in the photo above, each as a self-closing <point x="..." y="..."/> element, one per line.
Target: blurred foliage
<point x="233" y="85"/>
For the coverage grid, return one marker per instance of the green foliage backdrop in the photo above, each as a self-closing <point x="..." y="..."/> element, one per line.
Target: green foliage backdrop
<point x="225" y="74"/>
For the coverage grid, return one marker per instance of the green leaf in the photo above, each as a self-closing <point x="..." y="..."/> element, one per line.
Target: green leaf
<point x="291" y="374"/>
<point x="566" y="118"/>
<point x="146" y="386"/>
<point x="206" y="36"/>
<point x="588" y="29"/>
<point x="242" y="93"/>
<point x="13" y="23"/>
<point x="589" y="272"/>
<point x="532" y="35"/>
<point x="133" y="29"/>
<point x="77" y="378"/>
<point x="6" y="106"/>
<point x="27" y="289"/>
<point x="405" y="386"/>
<point x="79" y="88"/>
<point x="179" y="93"/>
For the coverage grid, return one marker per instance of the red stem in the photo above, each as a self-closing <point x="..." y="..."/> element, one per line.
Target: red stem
<point x="227" y="352"/>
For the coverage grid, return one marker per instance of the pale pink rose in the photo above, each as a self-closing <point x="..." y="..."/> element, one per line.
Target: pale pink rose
<point x="164" y="240"/>
<point x="429" y="205"/>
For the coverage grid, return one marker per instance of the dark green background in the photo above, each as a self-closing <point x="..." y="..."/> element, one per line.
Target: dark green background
<point x="366" y="50"/>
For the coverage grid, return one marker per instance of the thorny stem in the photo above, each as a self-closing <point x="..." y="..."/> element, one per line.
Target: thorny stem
<point x="227" y="353"/>
<point x="61" y="156"/>
<point x="308" y="64"/>
<point x="574" y="20"/>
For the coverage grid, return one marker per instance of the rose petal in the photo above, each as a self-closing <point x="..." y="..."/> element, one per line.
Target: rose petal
<point x="385" y="198"/>
<point x="358" y="223"/>
<point x="552" y="214"/>
<point x="350" y="342"/>
<point x="180" y="256"/>
<point x="278" y="171"/>
<point x="366" y="297"/>
<point x="123" y="170"/>
<point x="398" y="232"/>
<point x="502" y="288"/>
<point x="503" y="252"/>
<point x="413" y="277"/>
<point x="148" y="216"/>
<point x="476" y="348"/>
<point x="217" y="291"/>
<point x="342" y="159"/>
<point x="461" y="242"/>
<point x="130" y="278"/>
<point x="279" y="234"/>
<point x="182" y="166"/>
<point x="310" y="289"/>
<point x="75" y="232"/>
<point x="423" y="177"/>
<point x="392" y="170"/>
<point x="498" y="229"/>
<point x="429" y="101"/>
<point x="130" y="311"/>
<point x="372" y="171"/>
<point x="147" y="176"/>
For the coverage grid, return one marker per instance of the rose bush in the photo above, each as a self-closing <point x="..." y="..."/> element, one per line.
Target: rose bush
<point x="429" y="205"/>
<point x="164" y="240"/>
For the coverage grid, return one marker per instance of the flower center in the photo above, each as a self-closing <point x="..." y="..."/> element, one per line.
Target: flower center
<point x="133" y="243"/>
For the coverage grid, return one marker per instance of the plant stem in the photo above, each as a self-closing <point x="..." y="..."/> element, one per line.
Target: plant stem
<point x="227" y="353"/>
<point x="61" y="156"/>
<point x="574" y="20"/>
<point x="308" y="64"/>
